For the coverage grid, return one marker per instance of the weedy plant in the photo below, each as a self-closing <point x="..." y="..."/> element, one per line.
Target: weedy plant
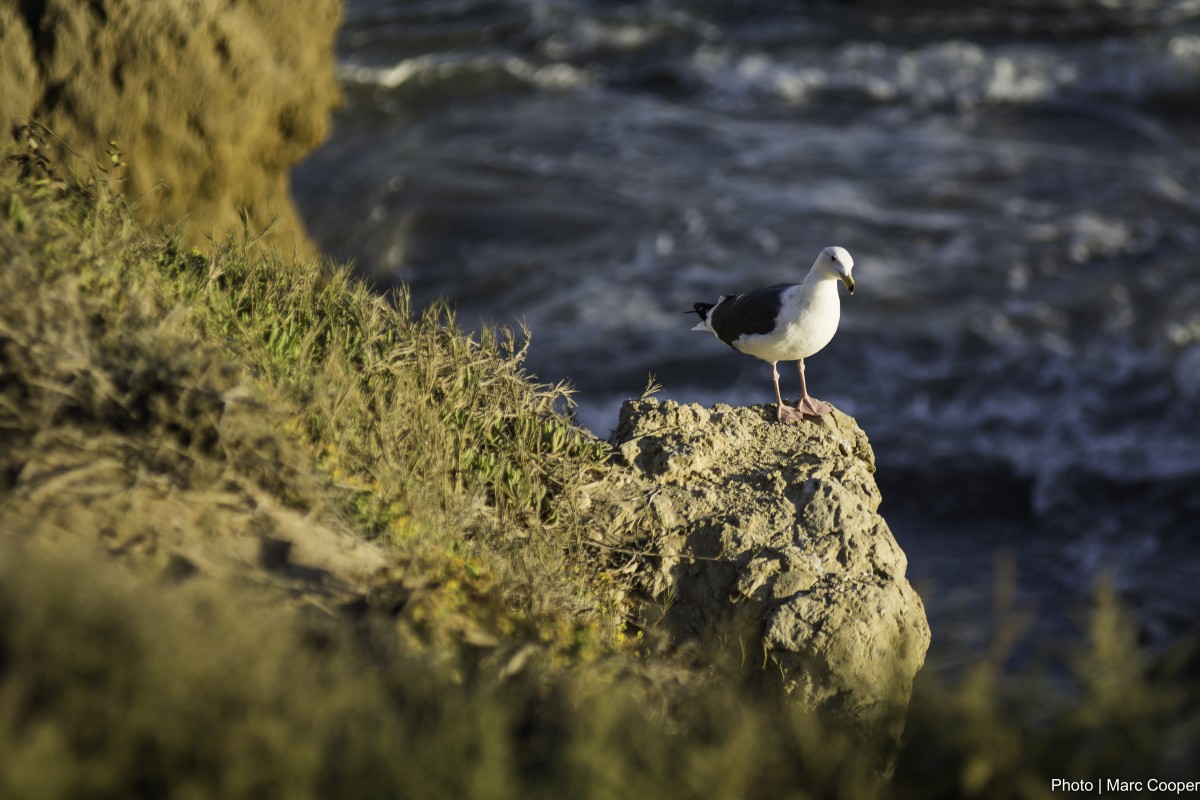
<point x="420" y="436"/>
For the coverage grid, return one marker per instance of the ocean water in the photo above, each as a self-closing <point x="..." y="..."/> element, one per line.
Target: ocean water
<point x="1019" y="183"/>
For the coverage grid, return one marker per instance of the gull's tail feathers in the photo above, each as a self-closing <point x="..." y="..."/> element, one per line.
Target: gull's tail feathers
<point x="701" y="310"/>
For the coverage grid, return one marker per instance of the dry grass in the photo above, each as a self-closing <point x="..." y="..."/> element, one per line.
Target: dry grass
<point x="292" y="380"/>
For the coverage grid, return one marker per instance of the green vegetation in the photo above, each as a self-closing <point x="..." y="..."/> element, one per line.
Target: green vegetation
<point x="292" y="379"/>
<point x="166" y="414"/>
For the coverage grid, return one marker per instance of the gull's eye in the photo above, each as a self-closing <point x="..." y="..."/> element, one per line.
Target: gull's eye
<point x="834" y="257"/>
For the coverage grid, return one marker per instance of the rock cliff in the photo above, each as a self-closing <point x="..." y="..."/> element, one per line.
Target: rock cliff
<point x="768" y="537"/>
<point x="210" y="102"/>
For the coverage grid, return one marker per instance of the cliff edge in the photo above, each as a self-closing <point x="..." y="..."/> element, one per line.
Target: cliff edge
<point x="768" y="536"/>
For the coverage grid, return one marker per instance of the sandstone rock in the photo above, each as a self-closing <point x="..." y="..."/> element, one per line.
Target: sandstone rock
<point x="770" y="534"/>
<point x="210" y="102"/>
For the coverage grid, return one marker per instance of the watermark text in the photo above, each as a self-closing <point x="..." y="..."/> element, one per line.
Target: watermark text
<point x="1121" y="786"/>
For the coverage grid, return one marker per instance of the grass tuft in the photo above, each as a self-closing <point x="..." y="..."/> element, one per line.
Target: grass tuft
<point x="408" y="430"/>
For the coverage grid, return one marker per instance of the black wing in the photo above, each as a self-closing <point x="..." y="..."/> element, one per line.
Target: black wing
<point x="755" y="312"/>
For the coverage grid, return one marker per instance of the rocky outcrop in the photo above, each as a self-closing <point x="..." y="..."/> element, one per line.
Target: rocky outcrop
<point x="767" y="538"/>
<point x="211" y="103"/>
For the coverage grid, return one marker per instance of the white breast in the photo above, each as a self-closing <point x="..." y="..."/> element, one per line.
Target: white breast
<point x="808" y="320"/>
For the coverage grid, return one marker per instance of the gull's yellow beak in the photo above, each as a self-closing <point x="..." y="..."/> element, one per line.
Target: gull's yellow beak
<point x="846" y="279"/>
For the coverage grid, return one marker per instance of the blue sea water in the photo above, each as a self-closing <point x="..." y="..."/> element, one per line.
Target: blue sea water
<point x="1018" y="182"/>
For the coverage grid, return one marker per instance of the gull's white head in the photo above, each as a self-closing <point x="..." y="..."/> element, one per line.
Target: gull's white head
<point x="835" y="263"/>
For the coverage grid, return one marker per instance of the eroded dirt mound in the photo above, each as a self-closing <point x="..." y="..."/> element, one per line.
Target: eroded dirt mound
<point x="211" y="103"/>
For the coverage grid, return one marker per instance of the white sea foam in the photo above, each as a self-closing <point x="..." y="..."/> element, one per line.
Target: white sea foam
<point x="959" y="73"/>
<point x="436" y="68"/>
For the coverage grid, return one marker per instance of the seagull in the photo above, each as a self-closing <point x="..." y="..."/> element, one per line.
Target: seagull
<point x="785" y="322"/>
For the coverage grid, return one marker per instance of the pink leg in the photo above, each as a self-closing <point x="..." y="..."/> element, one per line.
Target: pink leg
<point x="783" y="413"/>
<point x="809" y="406"/>
<point x="778" y="396"/>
